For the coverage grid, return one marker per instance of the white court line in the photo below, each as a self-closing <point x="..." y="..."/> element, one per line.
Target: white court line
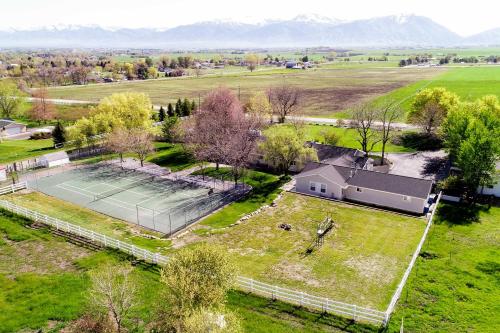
<point x="94" y="194"/>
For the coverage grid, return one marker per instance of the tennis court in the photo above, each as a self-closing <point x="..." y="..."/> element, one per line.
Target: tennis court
<point x="157" y="203"/>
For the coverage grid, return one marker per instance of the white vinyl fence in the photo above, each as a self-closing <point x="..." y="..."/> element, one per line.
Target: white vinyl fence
<point x="357" y="313"/>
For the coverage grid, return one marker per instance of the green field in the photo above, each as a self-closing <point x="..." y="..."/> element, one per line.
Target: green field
<point x="347" y="137"/>
<point x="14" y="150"/>
<point x="469" y="83"/>
<point x="455" y="285"/>
<point x="326" y="91"/>
<point x="43" y="281"/>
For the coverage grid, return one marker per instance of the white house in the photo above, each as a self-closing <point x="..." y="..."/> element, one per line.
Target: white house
<point x="54" y="159"/>
<point x="3" y="173"/>
<point x="364" y="186"/>
<point x="10" y="127"/>
<point x="495" y="189"/>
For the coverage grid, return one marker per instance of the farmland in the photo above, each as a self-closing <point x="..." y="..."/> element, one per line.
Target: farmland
<point x="326" y="91"/>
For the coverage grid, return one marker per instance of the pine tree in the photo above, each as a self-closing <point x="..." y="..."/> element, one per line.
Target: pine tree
<point x="178" y="108"/>
<point x="186" y="108"/>
<point x="193" y="106"/>
<point x="170" y="110"/>
<point x="59" y="134"/>
<point x="161" y="114"/>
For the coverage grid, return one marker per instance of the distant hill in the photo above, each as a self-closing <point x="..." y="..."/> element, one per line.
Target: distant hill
<point x="304" y="30"/>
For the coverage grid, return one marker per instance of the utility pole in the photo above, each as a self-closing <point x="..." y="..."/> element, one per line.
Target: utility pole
<point x="239" y="93"/>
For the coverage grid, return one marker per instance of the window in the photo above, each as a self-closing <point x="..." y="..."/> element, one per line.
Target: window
<point x="323" y="188"/>
<point x="406" y="198"/>
<point x="313" y="187"/>
<point x="358" y="189"/>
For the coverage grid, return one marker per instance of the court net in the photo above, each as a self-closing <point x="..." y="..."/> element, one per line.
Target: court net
<point x="114" y="191"/>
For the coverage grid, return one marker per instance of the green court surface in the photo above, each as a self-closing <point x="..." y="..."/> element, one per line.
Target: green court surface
<point x="156" y="203"/>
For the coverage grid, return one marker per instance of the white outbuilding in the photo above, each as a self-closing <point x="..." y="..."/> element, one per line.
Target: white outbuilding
<point x="54" y="159"/>
<point x="3" y="173"/>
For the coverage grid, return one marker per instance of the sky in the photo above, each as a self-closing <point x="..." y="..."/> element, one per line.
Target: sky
<point x="25" y="14"/>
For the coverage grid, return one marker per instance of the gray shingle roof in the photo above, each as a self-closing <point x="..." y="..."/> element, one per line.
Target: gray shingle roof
<point x="7" y="122"/>
<point x="342" y="156"/>
<point x="414" y="187"/>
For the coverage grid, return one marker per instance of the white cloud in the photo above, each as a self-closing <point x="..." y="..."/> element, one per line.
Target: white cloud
<point x="22" y="14"/>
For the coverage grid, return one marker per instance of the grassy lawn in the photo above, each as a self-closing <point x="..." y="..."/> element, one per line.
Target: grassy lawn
<point x="13" y="150"/>
<point x="347" y="137"/>
<point x="45" y="288"/>
<point x="469" y="83"/>
<point x="455" y="285"/>
<point x="172" y="156"/>
<point x="90" y="219"/>
<point x="326" y="90"/>
<point x="265" y="188"/>
<point x="361" y="262"/>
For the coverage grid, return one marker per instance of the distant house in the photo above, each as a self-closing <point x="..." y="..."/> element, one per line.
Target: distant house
<point x="10" y="127"/>
<point x="54" y="159"/>
<point x="290" y="64"/>
<point x="3" y="173"/>
<point x="364" y="186"/>
<point x="495" y="189"/>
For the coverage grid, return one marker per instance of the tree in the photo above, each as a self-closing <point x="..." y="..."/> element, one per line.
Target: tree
<point x="11" y="98"/>
<point x="251" y="60"/>
<point x="42" y="109"/>
<point x="59" y="134"/>
<point x="186" y="108"/>
<point x="260" y="106"/>
<point x="285" y="146"/>
<point x="141" y="143"/>
<point x="170" y="110"/>
<point x="178" y="108"/>
<point x="329" y="137"/>
<point x="454" y="128"/>
<point x="196" y="282"/>
<point x="119" y="142"/>
<point x="161" y="114"/>
<point x="213" y="321"/>
<point x="388" y="112"/>
<point x="114" y="293"/>
<point x="284" y="100"/>
<point x="170" y="129"/>
<point x="305" y="59"/>
<point x="363" y="117"/>
<point x="431" y="106"/>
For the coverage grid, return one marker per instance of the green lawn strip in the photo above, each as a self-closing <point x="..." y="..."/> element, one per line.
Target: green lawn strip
<point x="265" y="188"/>
<point x="32" y="300"/>
<point x="172" y="156"/>
<point x="89" y="219"/>
<point x="14" y="150"/>
<point x="455" y="285"/>
<point x="347" y="137"/>
<point x="361" y="262"/>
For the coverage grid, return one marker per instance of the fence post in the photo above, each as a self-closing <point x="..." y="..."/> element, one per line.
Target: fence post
<point x="354" y="312"/>
<point x="251" y="285"/>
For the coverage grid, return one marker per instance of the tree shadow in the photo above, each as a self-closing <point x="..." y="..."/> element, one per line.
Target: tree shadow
<point x="436" y="166"/>
<point x="459" y="214"/>
<point x="419" y="141"/>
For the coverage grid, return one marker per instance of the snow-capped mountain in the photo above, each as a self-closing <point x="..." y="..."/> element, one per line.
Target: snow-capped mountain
<point x="303" y="30"/>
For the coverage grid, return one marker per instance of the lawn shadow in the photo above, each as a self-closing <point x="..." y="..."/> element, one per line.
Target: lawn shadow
<point x="459" y="214"/>
<point x="419" y="141"/>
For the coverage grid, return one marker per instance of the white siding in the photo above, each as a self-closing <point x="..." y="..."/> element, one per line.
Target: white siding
<point x="58" y="162"/>
<point x="385" y="199"/>
<point x="3" y="174"/>
<point x="495" y="190"/>
<point x="303" y="185"/>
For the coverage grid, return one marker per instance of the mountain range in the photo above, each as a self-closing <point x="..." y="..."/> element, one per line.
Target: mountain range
<point x="301" y="31"/>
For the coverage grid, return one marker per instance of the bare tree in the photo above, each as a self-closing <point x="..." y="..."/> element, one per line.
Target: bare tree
<point x="388" y="112"/>
<point x="141" y="143"/>
<point x="43" y="109"/>
<point x="363" y="119"/>
<point x="284" y="100"/>
<point x="119" y="142"/>
<point x="113" y="292"/>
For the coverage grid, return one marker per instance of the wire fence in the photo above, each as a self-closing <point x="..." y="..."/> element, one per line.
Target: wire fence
<point x="357" y="313"/>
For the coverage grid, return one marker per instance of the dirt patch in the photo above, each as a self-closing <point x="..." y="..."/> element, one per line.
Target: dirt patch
<point x="374" y="268"/>
<point x="38" y="256"/>
<point x="286" y="270"/>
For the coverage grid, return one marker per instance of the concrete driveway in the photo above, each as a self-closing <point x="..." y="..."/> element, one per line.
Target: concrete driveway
<point x="429" y="164"/>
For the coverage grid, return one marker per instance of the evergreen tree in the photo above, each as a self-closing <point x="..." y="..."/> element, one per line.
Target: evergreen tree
<point x="59" y="134"/>
<point x="193" y="106"/>
<point x="186" y="108"/>
<point x="178" y="108"/>
<point x="161" y="114"/>
<point x="170" y="110"/>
